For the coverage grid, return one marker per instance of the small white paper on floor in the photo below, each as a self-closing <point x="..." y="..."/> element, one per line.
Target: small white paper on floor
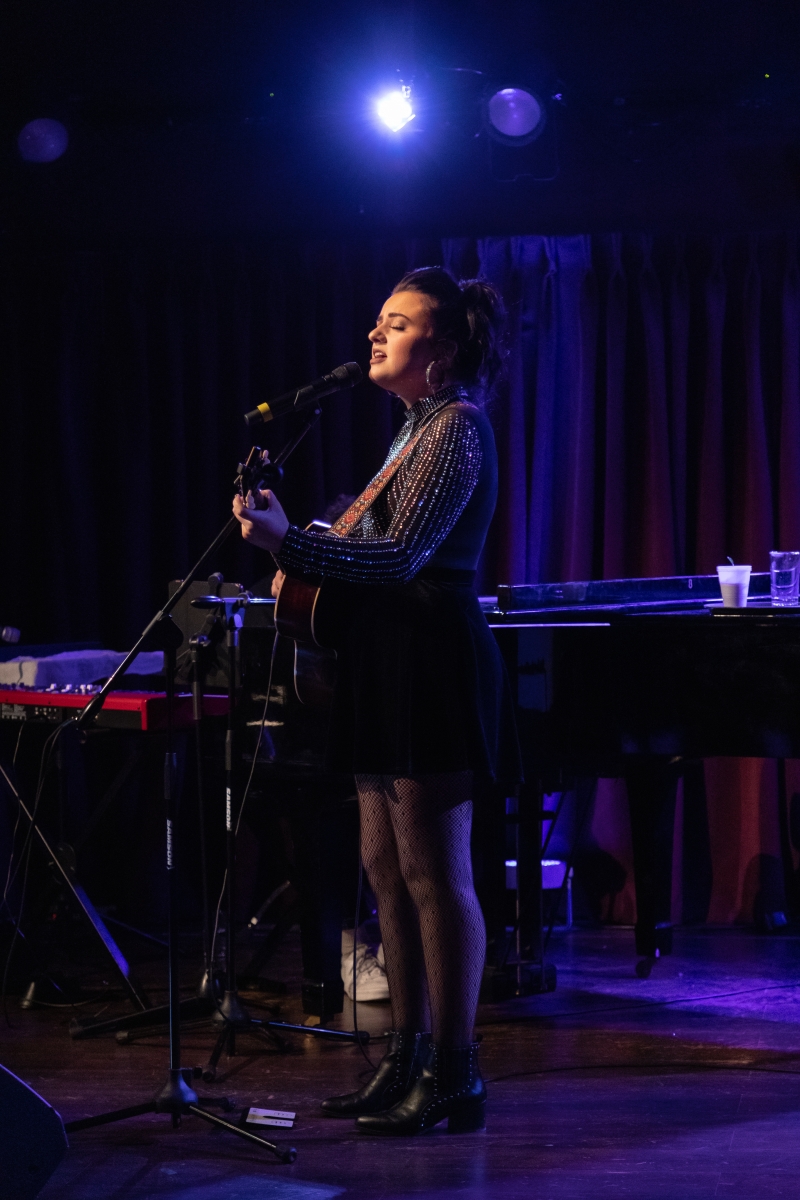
<point x="270" y="1116"/>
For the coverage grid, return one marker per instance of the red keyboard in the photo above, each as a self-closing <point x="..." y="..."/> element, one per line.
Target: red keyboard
<point x="146" y="711"/>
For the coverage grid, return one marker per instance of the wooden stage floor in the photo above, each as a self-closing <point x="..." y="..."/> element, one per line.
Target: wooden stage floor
<point x="683" y="1086"/>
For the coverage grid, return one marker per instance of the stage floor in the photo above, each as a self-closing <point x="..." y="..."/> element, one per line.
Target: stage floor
<point x="685" y="1085"/>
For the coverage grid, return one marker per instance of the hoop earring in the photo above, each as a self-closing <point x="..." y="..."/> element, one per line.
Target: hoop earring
<point x="428" y="380"/>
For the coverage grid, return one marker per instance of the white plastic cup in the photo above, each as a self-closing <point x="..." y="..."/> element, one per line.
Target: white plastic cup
<point x="734" y="583"/>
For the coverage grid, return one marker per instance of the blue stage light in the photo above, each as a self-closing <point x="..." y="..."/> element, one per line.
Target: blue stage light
<point x="395" y="109"/>
<point x="515" y="116"/>
<point x="42" y="141"/>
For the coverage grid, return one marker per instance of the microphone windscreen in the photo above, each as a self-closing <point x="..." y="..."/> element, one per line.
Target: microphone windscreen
<point x="348" y="374"/>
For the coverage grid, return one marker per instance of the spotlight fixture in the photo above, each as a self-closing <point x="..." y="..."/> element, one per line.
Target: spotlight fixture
<point x="395" y="109"/>
<point x="515" y="116"/>
<point x="42" y="141"/>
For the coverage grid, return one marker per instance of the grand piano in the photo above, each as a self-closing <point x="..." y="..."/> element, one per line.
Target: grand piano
<point x="639" y="679"/>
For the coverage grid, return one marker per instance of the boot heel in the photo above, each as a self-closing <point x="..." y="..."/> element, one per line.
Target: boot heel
<point x="468" y="1117"/>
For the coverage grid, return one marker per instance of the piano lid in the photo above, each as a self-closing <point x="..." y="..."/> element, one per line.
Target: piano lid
<point x="673" y="589"/>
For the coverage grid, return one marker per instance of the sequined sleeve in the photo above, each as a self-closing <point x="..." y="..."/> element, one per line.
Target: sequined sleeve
<point x="441" y="478"/>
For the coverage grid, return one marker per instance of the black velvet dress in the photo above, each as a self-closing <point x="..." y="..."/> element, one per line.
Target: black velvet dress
<point x="421" y="684"/>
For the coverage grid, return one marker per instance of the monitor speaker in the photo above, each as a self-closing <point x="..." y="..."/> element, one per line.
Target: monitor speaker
<point x="32" y="1139"/>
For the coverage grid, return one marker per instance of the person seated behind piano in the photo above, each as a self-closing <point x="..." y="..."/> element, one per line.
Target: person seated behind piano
<point x="422" y="707"/>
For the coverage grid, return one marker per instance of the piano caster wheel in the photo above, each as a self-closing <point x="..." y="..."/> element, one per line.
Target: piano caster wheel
<point x="644" y="966"/>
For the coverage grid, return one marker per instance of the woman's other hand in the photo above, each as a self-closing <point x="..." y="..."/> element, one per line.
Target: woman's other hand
<point x="263" y="521"/>
<point x="277" y="584"/>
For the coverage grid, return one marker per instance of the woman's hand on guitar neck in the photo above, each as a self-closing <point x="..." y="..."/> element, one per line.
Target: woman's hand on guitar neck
<point x="263" y="521"/>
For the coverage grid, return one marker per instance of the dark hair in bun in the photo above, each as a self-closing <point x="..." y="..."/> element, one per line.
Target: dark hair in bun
<point x="469" y="313"/>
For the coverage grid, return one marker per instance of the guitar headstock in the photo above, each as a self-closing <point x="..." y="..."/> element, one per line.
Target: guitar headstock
<point x="255" y="473"/>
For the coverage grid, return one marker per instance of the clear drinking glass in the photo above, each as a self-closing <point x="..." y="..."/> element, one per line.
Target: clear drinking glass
<point x="784" y="577"/>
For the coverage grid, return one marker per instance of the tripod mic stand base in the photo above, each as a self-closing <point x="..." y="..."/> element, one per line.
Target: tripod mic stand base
<point x="285" y="1156"/>
<point x="180" y="1099"/>
<point x="206" y="989"/>
<point x="148" y="1018"/>
<point x="146" y="1022"/>
<point x="231" y="1011"/>
<point x="232" y="1018"/>
<point x="177" y="1095"/>
<point x="52" y="991"/>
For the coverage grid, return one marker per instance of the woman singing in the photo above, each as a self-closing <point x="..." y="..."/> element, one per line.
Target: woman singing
<point x="421" y="708"/>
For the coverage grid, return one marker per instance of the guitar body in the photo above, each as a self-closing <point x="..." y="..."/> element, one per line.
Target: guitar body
<point x="294" y="610"/>
<point x="297" y="616"/>
<point x="314" y="675"/>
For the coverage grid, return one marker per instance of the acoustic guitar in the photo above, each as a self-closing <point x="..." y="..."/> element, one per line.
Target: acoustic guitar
<point x="301" y="614"/>
<point x="302" y="611"/>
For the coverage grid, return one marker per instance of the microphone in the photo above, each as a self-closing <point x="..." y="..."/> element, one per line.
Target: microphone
<point x="340" y="378"/>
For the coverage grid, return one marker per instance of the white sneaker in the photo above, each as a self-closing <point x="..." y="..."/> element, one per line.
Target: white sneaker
<point x="371" y="982"/>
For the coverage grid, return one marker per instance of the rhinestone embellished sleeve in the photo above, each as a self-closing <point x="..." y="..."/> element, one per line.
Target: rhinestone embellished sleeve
<point x="414" y="513"/>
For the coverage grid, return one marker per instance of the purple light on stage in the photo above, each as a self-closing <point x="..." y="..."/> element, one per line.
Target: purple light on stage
<point x="515" y="116"/>
<point x="42" y="141"/>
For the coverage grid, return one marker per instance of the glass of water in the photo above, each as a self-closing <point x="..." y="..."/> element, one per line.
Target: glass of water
<point x="784" y="577"/>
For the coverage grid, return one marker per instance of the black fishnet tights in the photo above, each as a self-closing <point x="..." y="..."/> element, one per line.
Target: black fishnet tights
<point x="415" y="836"/>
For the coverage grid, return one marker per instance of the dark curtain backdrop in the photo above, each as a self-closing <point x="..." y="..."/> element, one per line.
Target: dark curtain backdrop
<point x="649" y="424"/>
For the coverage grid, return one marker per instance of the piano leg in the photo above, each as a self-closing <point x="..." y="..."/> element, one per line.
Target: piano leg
<point x="515" y="958"/>
<point x="529" y="874"/>
<point x="652" y="790"/>
<point x="698" y="878"/>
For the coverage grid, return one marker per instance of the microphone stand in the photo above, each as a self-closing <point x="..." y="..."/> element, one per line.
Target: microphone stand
<point x="177" y="1097"/>
<point x="250" y="474"/>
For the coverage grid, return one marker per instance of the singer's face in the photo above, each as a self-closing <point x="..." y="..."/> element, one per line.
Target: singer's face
<point x="403" y="345"/>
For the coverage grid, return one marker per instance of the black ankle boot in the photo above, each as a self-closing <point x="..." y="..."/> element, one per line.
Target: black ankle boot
<point x="396" y="1074"/>
<point x="450" y="1086"/>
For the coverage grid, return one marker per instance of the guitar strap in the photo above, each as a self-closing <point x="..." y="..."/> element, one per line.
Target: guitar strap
<point x="352" y="515"/>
